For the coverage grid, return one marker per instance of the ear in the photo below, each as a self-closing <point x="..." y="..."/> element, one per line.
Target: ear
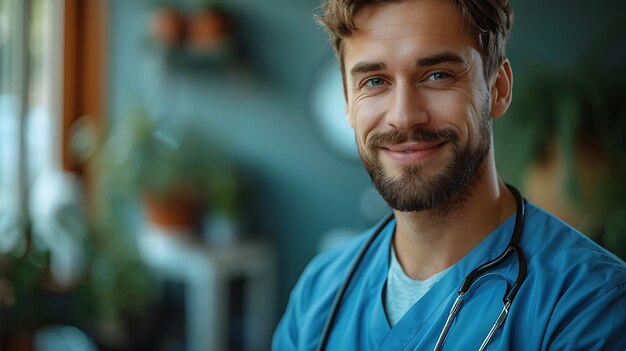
<point x="501" y="90"/>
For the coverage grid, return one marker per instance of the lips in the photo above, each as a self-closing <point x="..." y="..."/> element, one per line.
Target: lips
<point x="412" y="147"/>
<point x="412" y="151"/>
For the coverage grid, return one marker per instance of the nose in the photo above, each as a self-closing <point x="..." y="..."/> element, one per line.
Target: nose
<point x="408" y="107"/>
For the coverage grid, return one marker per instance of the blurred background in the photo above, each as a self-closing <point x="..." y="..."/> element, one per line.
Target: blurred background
<point x="168" y="168"/>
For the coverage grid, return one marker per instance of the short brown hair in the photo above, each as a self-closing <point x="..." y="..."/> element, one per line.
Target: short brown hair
<point x="490" y="22"/>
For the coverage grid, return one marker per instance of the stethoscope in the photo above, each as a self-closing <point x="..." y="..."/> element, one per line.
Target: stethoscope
<point x="465" y="291"/>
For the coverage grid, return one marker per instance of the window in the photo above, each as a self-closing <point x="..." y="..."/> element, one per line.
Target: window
<point x="30" y="105"/>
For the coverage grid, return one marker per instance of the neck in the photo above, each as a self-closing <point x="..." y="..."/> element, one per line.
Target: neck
<point x="430" y="241"/>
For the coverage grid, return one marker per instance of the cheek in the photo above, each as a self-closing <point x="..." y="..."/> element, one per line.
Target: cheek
<point x="450" y="109"/>
<point x="455" y="109"/>
<point x="366" y="115"/>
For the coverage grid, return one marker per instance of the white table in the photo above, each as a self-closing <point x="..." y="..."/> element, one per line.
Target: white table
<point x="206" y="272"/>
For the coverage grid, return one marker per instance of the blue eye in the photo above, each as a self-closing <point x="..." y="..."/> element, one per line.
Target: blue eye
<point x="439" y="76"/>
<point x="374" y="82"/>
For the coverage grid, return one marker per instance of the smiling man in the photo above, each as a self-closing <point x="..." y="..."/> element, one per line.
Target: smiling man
<point x="464" y="263"/>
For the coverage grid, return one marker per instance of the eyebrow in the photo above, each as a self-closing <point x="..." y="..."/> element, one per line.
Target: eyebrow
<point x="367" y="67"/>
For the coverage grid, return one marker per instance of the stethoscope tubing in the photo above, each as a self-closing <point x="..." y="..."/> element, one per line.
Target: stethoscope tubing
<point x="344" y="286"/>
<point x="480" y="271"/>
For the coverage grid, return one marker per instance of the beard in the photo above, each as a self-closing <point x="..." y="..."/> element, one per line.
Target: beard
<point x="415" y="191"/>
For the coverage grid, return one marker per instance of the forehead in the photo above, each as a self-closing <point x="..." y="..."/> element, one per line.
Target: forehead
<point x="421" y="26"/>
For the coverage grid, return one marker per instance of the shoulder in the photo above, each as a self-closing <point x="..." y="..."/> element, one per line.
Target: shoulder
<point x="578" y="285"/>
<point x="313" y="294"/>
<point x="550" y="243"/>
<point x="325" y="273"/>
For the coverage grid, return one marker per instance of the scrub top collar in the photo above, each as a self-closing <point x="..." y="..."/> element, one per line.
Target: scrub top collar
<point x="421" y="317"/>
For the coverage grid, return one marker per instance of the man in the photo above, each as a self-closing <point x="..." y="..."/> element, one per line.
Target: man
<point x="423" y="80"/>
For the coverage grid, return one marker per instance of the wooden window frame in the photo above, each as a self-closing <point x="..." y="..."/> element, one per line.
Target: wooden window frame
<point x="84" y="60"/>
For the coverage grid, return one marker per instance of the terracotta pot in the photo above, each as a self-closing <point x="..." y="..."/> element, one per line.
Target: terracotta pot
<point x="167" y="27"/>
<point x="208" y="29"/>
<point x="177" y="211"/>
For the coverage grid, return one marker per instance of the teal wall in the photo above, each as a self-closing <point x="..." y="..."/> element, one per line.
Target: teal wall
<point x="258" y="108"/>
<point x="258" y="111"/>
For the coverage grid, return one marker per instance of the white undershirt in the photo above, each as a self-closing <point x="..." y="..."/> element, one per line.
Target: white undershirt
<point x="402" y="291"/>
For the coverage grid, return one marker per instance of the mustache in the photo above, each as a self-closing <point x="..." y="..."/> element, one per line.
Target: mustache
<point x="415" y="135"/>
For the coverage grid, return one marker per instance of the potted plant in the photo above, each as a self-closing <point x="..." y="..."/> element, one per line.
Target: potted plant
<point x="563" y="141"/>
<point x="208" y="27"/>
<point x="167" y="24"/>
<point x="177" y="174"/>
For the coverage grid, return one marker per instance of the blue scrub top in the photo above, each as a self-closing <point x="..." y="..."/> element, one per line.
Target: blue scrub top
<point x="573" y="298"/>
